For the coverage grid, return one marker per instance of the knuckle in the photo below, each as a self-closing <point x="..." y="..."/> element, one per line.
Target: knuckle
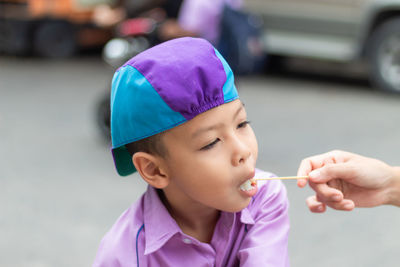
<point x="305" y="161"/>
<point x="313" y="186"/>
<point x="328" y="170"/>
<point x="336" y="151"/>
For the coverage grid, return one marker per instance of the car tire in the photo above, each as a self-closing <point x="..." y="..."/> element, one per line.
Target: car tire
<point x="384" y="56"/>
<point x="275" y="64"/>
<point x="55" y="39"/>
<point x="103" y="116"/>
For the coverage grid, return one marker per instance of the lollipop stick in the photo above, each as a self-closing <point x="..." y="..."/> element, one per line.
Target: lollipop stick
<point x="283" y="178"/>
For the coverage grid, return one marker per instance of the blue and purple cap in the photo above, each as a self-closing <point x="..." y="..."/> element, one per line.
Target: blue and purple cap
<point x="163" y="87"/>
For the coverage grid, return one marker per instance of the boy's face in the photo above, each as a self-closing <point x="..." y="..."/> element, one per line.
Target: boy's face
<point x="210" y="157"/>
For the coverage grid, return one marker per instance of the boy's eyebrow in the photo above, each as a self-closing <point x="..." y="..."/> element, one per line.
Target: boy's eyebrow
<point x="238" y="110"/>
<point x="212" y="127"/>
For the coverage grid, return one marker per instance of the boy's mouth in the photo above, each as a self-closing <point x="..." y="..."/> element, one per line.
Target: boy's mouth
<point x="248" y="185"/>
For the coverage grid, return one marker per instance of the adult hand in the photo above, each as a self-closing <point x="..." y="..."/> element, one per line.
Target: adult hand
<point x="343" y="180"/>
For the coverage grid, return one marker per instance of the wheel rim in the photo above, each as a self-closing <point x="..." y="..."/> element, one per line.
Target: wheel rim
<point x="389" y="64"/>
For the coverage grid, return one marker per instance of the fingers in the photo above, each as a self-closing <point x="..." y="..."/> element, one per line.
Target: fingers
<point x="308" y="165"/>
<point x="318" y="161"/>
<point x="301" y="183"/>
<point x="326" y="193"/>
<point x="315" y="162"/>
<point x="317" y="206"/>
<point x="314" y="205"/>
<point x="323" y="168"/>
<point x="305" y="168"/>
<point x="329" y="172"/>
<point x="344" y="205"/>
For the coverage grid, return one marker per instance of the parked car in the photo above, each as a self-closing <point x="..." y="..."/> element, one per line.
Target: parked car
<point x="336" y="30"/>
<point x="49" y="28"/>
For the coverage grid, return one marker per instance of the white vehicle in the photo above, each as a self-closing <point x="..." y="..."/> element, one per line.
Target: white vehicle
<point x="336" y="30"/>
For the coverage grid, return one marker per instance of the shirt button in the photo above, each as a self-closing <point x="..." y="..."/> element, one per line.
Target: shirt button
<point x="187" y="241"/>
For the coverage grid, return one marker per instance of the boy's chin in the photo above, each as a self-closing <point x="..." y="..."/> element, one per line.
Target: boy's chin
<point x="239" y="208"/>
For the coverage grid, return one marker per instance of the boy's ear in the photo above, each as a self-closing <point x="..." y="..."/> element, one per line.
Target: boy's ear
<point x="151" y="169"/>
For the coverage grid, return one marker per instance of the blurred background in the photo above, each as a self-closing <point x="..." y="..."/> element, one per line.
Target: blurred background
<point x="315" y="75"/>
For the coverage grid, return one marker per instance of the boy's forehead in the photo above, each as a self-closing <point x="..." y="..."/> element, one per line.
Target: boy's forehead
<point x="209" y="120"/>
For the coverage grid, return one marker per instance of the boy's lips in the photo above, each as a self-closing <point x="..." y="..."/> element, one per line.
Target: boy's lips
<point x="249" y="187"/>
<point x="248" y="177"/>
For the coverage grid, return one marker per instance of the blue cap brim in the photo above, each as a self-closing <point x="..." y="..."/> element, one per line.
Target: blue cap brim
<point x="123" y="161"/>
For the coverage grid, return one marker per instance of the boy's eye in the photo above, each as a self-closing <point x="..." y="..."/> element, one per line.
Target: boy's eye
<point x="210" y="145"/>
<point x="243" y="124"/>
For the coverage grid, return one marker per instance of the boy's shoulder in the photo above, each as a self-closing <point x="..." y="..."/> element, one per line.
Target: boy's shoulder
<point x="271" y="193"/>
<point x="119" y="242"/>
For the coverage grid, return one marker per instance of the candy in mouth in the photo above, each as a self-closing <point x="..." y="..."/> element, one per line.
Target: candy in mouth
<point x="248" y="185"/>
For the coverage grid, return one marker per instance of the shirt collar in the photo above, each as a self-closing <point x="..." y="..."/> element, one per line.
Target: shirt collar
<point x="158" y="223"/>
<point x="160" y="226"/>
<point x="246" y="217"/>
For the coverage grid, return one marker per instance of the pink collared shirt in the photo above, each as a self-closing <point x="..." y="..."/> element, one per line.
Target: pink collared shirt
<point x="146" y="235"/>
<point x="203" y="17"/>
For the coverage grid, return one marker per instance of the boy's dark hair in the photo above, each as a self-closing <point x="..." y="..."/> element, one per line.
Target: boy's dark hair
<point x="152" y="145"/>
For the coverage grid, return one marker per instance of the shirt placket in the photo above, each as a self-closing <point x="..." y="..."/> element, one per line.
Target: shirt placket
<point x="205" y="251"/>
<point x="222" y="241"/>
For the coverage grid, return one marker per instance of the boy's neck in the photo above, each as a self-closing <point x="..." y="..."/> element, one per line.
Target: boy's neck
<point x="196" y="221"/>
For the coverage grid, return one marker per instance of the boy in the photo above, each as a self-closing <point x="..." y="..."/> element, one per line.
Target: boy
<point x="177" y="120"/>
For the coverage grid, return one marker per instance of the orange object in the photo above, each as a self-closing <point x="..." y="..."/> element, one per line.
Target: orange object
<point x="67" y="9"/>
<point x="53" y="9"/>
<point x="51" y="28"/>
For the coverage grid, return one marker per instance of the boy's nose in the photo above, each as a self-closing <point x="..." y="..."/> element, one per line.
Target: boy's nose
<point x="241" y="152"/>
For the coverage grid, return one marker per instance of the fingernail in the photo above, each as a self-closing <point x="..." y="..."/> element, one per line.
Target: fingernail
<point x="348" y="206"/>
<point x="314" y="174"/>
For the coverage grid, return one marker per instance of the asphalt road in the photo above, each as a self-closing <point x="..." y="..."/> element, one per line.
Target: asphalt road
<point x="59" y="192"/>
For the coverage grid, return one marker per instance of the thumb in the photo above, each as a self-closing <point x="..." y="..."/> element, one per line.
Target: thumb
<point x="330" y="172"/>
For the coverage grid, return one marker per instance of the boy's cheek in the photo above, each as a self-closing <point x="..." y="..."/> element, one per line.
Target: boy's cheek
<point x="255" y="147"/>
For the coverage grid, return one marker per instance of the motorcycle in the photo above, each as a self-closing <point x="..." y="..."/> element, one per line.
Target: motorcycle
<point x="240" y="44"/>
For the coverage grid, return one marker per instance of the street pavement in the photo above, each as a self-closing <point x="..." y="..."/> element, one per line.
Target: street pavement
<point x="60" y="193"/>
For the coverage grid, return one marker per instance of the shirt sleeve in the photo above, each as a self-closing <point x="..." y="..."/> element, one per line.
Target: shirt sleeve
<point x="266" y="241"/>
<point x="201" y="17"/>
<point x="116" y="250"/>
<point x="118" y="246"/>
